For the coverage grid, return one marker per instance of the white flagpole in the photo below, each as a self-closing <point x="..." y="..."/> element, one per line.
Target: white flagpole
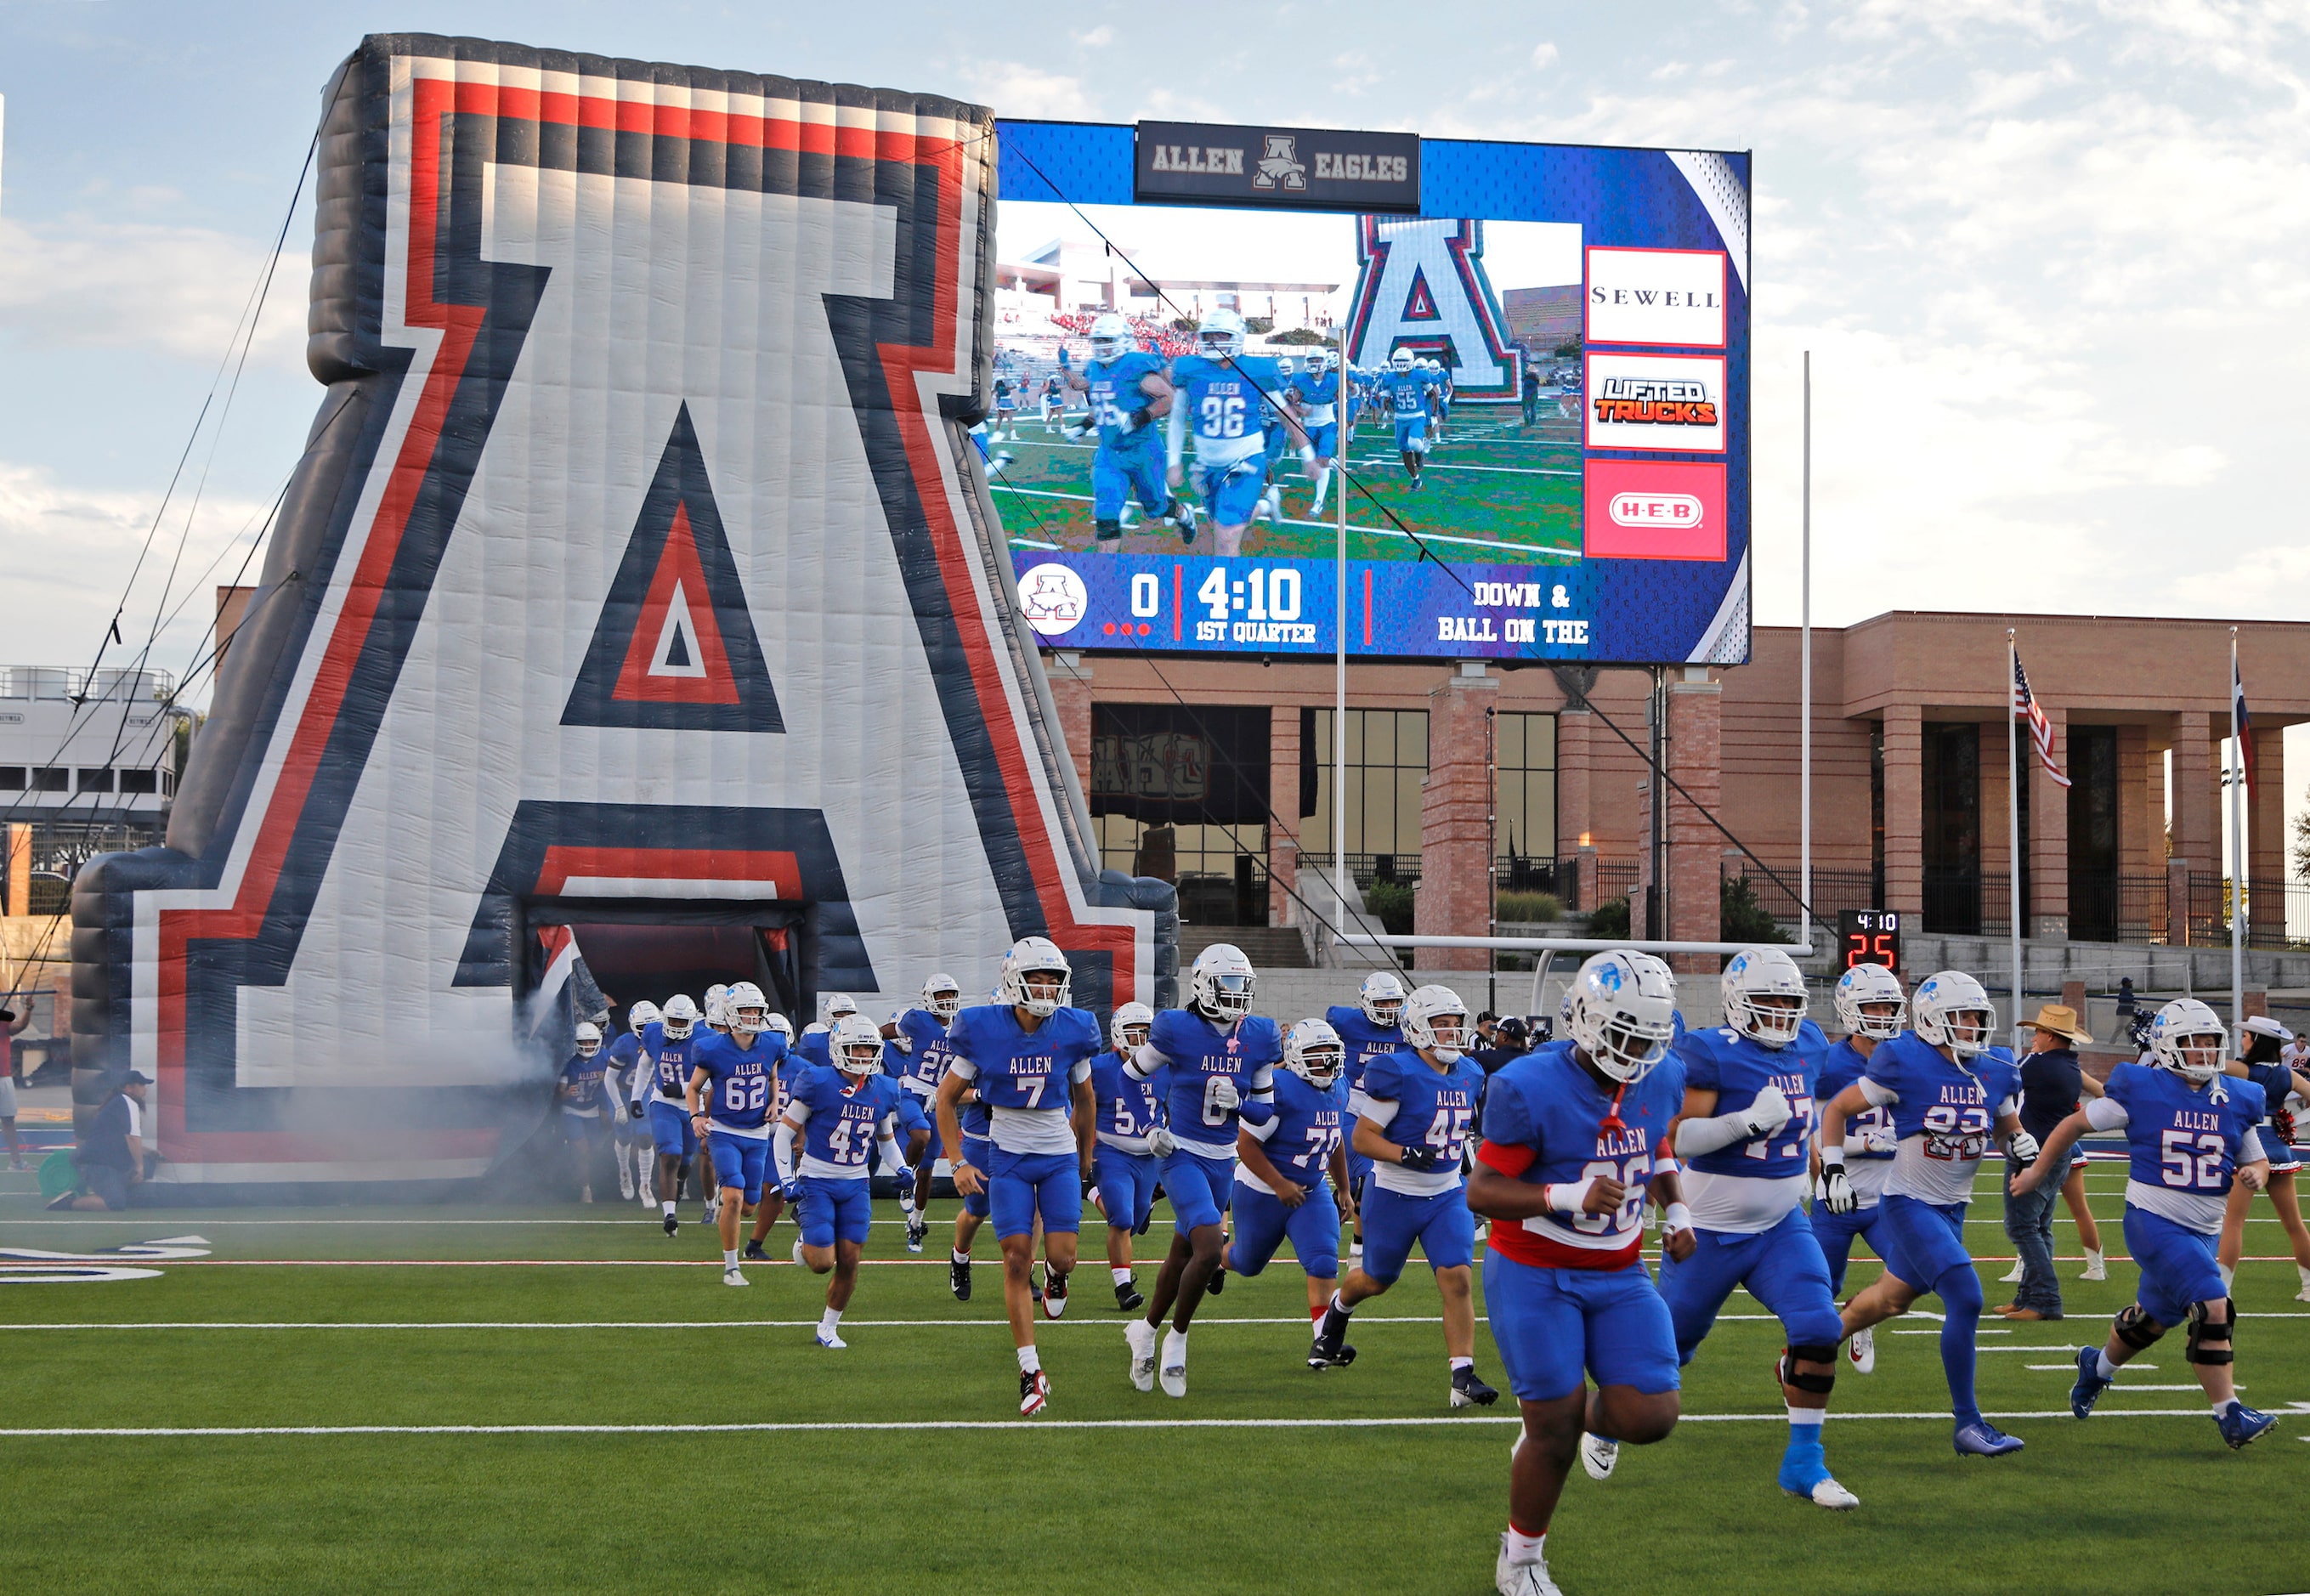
<point x="1345" y="426"/>
<point x="1804" y="692"/>
<point x="2015" y="863"/>
<point x="2237" y="858"/>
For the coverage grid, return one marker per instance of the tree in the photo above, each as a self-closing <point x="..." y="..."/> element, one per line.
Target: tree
<point x="2302" y="844"/>
<point x="1259" y="326"/>
<point x="1610" y="918"/>
<point x="1742" y="917"/>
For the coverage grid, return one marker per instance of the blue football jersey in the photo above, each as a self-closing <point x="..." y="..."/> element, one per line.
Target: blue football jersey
<point x="671" y="1060"/>
<point x="2180" y="1139"/>
<point x="1736" y="1068"/>
<point x="1408" y="393"/>
<point x="1945" y="1115"/>
<point x="910" y="1119"/>
<point x="1364" y="1040"/>
<point x="1026" y="1079"/>
<point x="1843" y="1067"/>
<point x="1316" y="396"/>
<point x="1116" y="392"/>
<point x="1128" y="1106"/>
<point x="1224" y="402"/>
<point x="1544" y="1122"/>
<point x="1200" y="1056"/>
<point x="816" y="1047"/>
<point x="1309" y="1122"/>
<point x="921" y="1069"/>
<point x="583" y="1077"/>
<point x="740" y="1081"/>
<point x="841" y="1120"/>
<point x="1417" y="1106"/>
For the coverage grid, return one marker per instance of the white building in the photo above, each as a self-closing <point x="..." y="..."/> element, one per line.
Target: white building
<point x="82" y="749"/>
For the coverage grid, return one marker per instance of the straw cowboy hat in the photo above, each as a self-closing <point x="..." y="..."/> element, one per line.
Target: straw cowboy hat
<point x="2061" y="1020"/>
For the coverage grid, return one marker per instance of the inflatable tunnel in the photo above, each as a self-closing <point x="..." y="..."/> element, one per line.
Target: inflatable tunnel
<point x="637" y="600"/>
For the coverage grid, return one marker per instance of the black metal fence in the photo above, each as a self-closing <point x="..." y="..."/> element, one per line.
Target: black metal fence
<point x="1832" y="890"/>
<point x="2278" y="912"/>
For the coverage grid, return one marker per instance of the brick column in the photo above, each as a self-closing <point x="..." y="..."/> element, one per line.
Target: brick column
<point x="1070" y="693"/>
<point x="20" y="869"/>
<point x="1283" y="830"/>
<point x="1695" y="848"/>
<point x="1575" y="740"/>
<point x="2266" y="838"/>
<point x="2049" y="838"/>
<point x="2197" y="826"/>
<point x="1904" y="809"/>
<point x="1455" y="894"/>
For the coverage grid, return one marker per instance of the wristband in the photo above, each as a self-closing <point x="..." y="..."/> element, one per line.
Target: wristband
<point x="1678" y="1218"/>
<point x="1667" y="1165"/>
<point x="1567" y="1197"/>
<point x="1832" y="1157"/>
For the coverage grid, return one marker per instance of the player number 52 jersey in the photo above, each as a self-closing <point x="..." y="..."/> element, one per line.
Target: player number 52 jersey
<point x="2182" y="1145"/>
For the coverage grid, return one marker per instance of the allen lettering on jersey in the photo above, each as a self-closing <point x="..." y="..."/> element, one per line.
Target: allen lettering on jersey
<point x="2183" y="1120"/>
<point x="1620" y="1144"/>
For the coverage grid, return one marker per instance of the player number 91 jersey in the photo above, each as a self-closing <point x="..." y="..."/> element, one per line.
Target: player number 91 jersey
<point x="673" y="1061"/>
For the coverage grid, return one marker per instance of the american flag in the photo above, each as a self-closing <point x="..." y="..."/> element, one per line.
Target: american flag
<point x="2244" y="725"/>
<point x="2041" y="730"/>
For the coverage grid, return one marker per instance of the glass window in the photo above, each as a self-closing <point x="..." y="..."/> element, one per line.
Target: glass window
<point x="12" y="778"/>
<point x="1524" y="765"/>
<point x="51" y="778"/>
<point x="98" y="780"/>
<point x="1387" y="763"/>
<point x="139" y="781"/>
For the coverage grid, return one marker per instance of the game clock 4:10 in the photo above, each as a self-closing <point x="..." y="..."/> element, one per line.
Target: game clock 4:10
<point x="1258" y="604"/>
<point x="1870" y="936"/>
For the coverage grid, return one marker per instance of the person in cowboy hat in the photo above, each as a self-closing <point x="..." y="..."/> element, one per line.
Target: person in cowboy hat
<point x="2053" y="1081"/>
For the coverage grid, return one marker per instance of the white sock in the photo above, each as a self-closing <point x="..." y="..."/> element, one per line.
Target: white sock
<point x="667" y="1205"/>
<point x="961" y="1257"/>
<point x="2303" y="1271"/>
<point x="2222" y="1407"/>
<point x="1175" y="1348"/>
<point x="1323" y="487"/>
<point x="907" y="1201"/>
<point x="1523" y="1548"/>
<point x="1339" y="1308"/>
<point x="2103" y="1367"/>
<point x="1029" y="1360"/>
<point x="1813" y="1418"/>
<point x="2093" y="1255"/>
<point x="729" y="1257"/>
<point x="829" y="1322"/>
<point x="1122" y="1276"/>
<point x="1462" y="1363"/>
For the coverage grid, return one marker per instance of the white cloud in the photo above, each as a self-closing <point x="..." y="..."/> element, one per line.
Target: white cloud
<point x="86" y="282"/>
<point x="1543" y="55"/>
<point x="1014" y="88"/>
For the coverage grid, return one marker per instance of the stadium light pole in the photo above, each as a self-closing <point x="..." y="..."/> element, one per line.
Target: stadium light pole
<point x="2236" y="773"/>
<point x="1345" y="428"/>
<point x="2014" y="863"/>
<point x="1804" y="676"/>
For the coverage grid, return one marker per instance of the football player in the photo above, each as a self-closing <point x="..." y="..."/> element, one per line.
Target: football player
<point x="1744" y="1139"/>
<point x="1288" y="1168"/>
<point x="666" y="1044"/>
<point x="2190" y="1135"/>
<point x="623" y="1081"/>
<point x="1952" y="1096"/>
<point x="1222" y="1058"/>
<point x="1409" y="392"/>
<point x="840" y="1115"/>
<point x="1872" y="1008"/>
<point x="1316" y="391"/>
<point x="918" y="1054"/>
<point x="774" y="1201"/>
<point x="1029" y="1056"/>
<point x="1574" y="1142"/>
<point x="734" y="1078"/>
<point x="2267" y="1044"/>
<point x="1224" y="389"/>
<point x="1128" y="394"/>
<point x="1132" y="1142"/>
<point x="581" y="1092"/>
<point x="1414" y="1114"/>
<point x="1443" y="376"/>
<point x="1368" y="1028"/>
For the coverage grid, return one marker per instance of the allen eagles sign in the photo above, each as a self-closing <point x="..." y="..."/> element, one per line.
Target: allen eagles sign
<point x="1206" y="164"/>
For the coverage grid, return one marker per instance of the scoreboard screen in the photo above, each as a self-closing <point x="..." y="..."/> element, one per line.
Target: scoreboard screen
<point x="1870" y="936"/>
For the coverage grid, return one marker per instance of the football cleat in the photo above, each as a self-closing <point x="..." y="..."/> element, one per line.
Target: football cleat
<point x="2088" y="1391"/>
<point x="1055" y="1292"/>
<point x="1861" y="1350"/>
<point x="1218" y="1281"/>
<point x="2242" y="1426"/>
<point x="917" y="1229"/>
<point x="754" y="1254"/>
<point x="1341" y="1357"/>
<point x="672" y="1224"/>
<point x="1469" y="1391"/>
<point x="1827" y="1493"/>
<point x="731" y="1277"/>
<point x="1330" y="1340"/>
<point x="831" y="1342"/>
<point x="1599" y="1455"/>
<point x="1521" y="1579"/>
<point x="1034" y="1391"/>
<point x="1982" y="1438"/>
<point x="1128" y="1297"/>
<point x="1174" y="1378"/>
<point x="957" y="1278"/>
<point x="1141" y="1337"/>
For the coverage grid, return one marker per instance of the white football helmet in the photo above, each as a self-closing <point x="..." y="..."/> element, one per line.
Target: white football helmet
<point x="1127" y="1032"/>
<point x="678" y="1018"/>
<point x="746" y="1010"/>
<point x="1622" y="1012"/>
<point x="589" y="1038"/>
<point x="1952" y="1010"/>
<point x="640" y="1015"/>
<point x="783" y="1026"/>
<point x="1381" y="998"/>
<point x="1039" y="960"/>
<point x="1866" y="987"/>
<point x="1221" y="982"/>
<point x="715" y="1015"/>
<point x="1435" y="1020"/>
<point x="2190" y="1039"/>
<point x="1319" y="361"/>
<point x="943" y="994"/>
<point x="1283" y="365"/>
<point x="856" y="1045"/>
<point x="1220" y="337"/>
<point x="1764" y="996"/>
<point x="1401" y="361"/>
<point x="838" y="1005"/>
<point x="1110" y="338"/>
<point x="1314" y="1051"/>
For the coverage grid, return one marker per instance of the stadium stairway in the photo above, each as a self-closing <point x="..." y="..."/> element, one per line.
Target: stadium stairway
<point x="1268" y="947"/>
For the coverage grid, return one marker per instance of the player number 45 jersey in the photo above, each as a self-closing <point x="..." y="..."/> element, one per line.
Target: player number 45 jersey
<point x="1417" y="1106"/>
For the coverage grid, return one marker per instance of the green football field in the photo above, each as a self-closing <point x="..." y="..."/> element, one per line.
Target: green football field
<point x="1496" y="492"/>
<point x="528" y="1400"/>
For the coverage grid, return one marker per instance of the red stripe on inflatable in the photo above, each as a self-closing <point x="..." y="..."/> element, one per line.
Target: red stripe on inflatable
<point x="564" y="863"/>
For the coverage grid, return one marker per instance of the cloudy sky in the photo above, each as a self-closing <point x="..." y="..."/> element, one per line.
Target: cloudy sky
<point x="2047" y="256"/>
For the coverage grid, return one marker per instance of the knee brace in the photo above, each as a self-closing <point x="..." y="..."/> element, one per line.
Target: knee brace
<point x="1110" y="529"/>
<point x="2210" y="1344"/>
<point x="2137" y="1329"/>
<point x="1817" y="1384"/>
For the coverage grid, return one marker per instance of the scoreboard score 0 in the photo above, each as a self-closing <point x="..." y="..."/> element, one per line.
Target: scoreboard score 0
<point x="1870" y="936"/>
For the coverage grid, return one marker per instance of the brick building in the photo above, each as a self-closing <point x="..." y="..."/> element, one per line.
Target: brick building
<point x="1461" y="774"/>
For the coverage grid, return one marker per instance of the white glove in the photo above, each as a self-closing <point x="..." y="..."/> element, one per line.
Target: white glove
<point x="1834" y="1190"/>
<point x="1879" y="1139"/>
<point x="1161" y="1142"/>
<point x="903" y="1043"/>
<point x="2023" y="1149"/>
<point x="1769" y="1112"/>
<point x="1223" y="1094"/>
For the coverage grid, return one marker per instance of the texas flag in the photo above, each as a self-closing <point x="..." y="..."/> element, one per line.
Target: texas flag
<point x="2244" y="724"/>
